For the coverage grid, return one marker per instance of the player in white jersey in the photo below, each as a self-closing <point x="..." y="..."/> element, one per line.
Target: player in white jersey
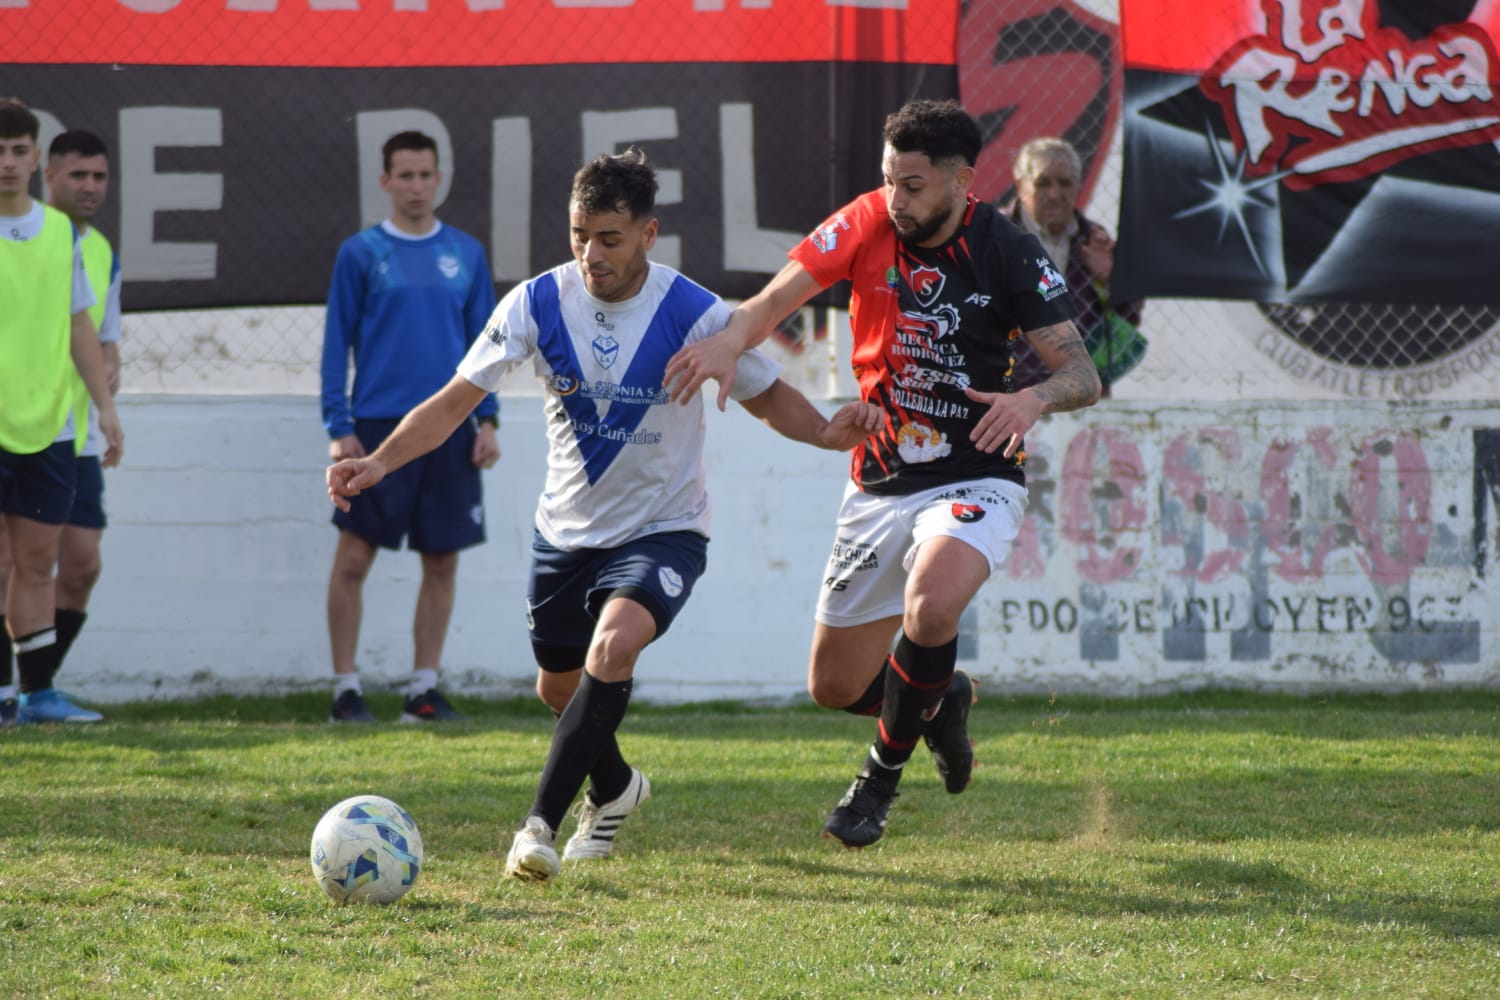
<point x="622" y="523"/>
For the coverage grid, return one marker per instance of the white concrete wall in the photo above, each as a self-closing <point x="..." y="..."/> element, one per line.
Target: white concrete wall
<point x="1167" y="547"/>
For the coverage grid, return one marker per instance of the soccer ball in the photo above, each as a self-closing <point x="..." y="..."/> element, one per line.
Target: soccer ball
<point x="366" y="849"/>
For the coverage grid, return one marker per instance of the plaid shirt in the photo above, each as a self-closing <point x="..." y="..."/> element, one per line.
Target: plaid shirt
<point x="1087" y="300"/>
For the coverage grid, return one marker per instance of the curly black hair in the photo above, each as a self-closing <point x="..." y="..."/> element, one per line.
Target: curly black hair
<point x="942" y="130"/>
<point x="616" y="183"/>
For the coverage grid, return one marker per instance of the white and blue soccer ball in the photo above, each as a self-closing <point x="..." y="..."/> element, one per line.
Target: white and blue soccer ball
<point x="366" y="849"/>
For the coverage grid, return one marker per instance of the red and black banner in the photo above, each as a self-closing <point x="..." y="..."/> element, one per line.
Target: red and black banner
<point x="1311" y="150"/>
<point x="245" y="133"/>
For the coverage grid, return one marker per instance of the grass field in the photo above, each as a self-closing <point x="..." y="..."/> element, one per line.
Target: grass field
<point x="1214" y="845"/>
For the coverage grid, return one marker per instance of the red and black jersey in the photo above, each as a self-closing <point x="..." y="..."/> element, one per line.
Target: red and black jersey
<point x="928" y="323"/>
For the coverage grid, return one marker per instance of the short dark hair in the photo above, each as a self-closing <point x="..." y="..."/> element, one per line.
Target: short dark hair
<point x="942" y="130"/>
<point x="619" y="183"/>
<point x="413" y="141"/>
<point x="78" y="142"/>
<point x="16" y="119"/>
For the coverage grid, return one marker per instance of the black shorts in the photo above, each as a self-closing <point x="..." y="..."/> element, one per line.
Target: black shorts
<point x="435" y="503"/>
<point x="568" y="590"/>
<point x="39" y="486"/>
<point x="88" y="494"/>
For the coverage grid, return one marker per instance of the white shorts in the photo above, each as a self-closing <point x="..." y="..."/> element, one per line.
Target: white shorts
<point x="877" y="540"/>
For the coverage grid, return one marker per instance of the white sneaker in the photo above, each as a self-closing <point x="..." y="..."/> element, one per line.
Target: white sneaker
<point x="597" y="825"/>
<point x="532" y="857"/>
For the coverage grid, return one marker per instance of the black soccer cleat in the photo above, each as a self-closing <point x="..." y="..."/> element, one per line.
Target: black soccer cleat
<point x="947" y="735"/>
<point x="350" y="707"/>
<point x="859" y="818"/>
<point x="430" y="706"/>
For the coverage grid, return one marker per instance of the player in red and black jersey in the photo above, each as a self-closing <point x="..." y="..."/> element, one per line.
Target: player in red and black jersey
<point x="941" y="286"/>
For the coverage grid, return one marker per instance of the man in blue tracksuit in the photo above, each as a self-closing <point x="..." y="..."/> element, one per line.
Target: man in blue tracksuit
<point x="407" y="298"/>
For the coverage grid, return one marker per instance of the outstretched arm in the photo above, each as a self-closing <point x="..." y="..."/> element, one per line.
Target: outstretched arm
<point x="423" y="429"/>
<point x="790" y="414"/>
<point x="750" y="324"/>
<point x="1073" y="384"/>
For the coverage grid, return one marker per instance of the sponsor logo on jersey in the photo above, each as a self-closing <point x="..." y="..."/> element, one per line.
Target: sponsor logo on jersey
<point x="918" y="442"/>
<point x="497" y="336"/>
<point x="645" y="395"/>
<point x="1051" y="284"/>
<point x="671" y="581"/>
<point x="927" y="284"/>
<point x="606" y="349"/>
<point x="563" y="385"/>
<point x="932" y="326"/>
<point x="826" y="236"/>
<point x="967" y="512"/>
<point x="449" y="265"/>
<point x="924" y="379"/>
<point x="599" y="319"/>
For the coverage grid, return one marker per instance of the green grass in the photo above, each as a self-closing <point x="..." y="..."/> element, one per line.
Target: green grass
<point x="1214" y="845"/>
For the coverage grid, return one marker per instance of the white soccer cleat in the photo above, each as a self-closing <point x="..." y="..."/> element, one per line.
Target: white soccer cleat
<point x="597" y="825"/>
<point x="532" y="857"/>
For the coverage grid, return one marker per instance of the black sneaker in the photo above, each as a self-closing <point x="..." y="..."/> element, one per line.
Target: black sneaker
<point x="859" y="818"/>
<point x="429" y="706"/>
<point x="10" y="711"/>
<point x="947" y="735"/>
<point x="350" y="707"/>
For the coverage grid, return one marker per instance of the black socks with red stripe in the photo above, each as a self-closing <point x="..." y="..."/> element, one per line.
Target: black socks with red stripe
<point x="915" y="679"/>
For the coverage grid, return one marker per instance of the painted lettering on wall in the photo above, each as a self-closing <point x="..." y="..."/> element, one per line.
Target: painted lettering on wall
<point x="1230" y="543"/>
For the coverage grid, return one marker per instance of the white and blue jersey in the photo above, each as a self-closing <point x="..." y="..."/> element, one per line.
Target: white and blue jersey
<point x="623" y="460"/>
<point x="406" y="308"/>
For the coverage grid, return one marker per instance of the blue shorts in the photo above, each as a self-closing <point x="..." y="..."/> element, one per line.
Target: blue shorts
<point x="88" y="495"/>
<point x="568" y="590"/>
<point x="39" y="486"/>
<point x="434" y="502"/>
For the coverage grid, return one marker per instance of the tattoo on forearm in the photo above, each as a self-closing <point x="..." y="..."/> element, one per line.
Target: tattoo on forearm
<point x="1075" y="383"/>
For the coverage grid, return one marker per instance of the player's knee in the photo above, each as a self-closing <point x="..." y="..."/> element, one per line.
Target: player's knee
<point x="613" y="654"/>
<point x="830" y="692"/>
<point x="350" y="569"/>
<point x="440" y="567"/>
<point x="930" y="622"/>
<point x="555" y="690"/>
<point x="79" y="574"/>
<point x="33" y="569"/>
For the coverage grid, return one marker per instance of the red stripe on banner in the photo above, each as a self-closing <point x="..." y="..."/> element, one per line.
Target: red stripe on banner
<point x="478" y="32"/>
<point x="1184" y="36"/>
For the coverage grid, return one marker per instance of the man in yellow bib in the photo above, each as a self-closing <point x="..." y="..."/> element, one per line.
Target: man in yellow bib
<point x="47" y="344"/>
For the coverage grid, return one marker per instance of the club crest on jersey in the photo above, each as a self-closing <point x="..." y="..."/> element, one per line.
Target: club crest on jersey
<point x="449" y="265"/>
<point x="606" y="349"/>
<point x="671" y="581"/>
<point x="1051" y="284"/>
<point x="968" y="513"/>
<point x="927" y="284"/>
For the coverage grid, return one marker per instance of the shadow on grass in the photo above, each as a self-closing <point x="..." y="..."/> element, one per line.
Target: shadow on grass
<point x="1196" y="888"/>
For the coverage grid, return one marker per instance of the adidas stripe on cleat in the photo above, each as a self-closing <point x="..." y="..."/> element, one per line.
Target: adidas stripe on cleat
<point x="597" y="825"/>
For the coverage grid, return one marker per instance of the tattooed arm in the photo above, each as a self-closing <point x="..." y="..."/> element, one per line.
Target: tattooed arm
<point x="1073" y="384"/>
